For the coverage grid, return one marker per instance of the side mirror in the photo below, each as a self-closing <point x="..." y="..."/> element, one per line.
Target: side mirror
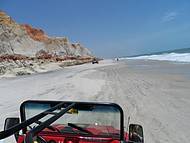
<point x="10" y="122"/>
<point x="136" y="133"/>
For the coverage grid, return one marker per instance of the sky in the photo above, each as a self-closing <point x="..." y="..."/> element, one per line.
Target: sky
<point x="109" y="28"/>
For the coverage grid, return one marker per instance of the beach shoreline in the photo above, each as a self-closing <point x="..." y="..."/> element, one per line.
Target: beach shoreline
<point x="153" y="93"/>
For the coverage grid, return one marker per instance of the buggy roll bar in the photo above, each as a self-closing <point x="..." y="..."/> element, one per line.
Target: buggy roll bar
<point x="43" y="125"/>
<point x="50" y="120"/>
<point x="24" y="124"/>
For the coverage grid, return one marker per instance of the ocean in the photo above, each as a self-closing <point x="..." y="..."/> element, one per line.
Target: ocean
<point x="179" y="55"/>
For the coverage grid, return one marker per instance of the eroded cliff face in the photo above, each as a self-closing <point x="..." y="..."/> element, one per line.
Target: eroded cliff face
<point x="27" y="50"/>
<point x="26" y="40"/>
<point x="34" y="33"/>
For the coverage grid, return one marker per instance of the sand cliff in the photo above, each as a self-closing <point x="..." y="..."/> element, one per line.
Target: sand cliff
<point x="22" y="46"/>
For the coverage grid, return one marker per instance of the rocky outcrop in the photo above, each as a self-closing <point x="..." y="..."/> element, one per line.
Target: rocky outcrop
<point x="24" y="49"/>
<point x="15" y="40"/>
<point x="34" y="33"/>
<point x="26" y="40"/>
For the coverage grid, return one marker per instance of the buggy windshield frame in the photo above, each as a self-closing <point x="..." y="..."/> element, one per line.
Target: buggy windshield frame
<point x="76" y="105"/>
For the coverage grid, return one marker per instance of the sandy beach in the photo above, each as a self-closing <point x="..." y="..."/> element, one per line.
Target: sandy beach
<point x="153" y="93"/>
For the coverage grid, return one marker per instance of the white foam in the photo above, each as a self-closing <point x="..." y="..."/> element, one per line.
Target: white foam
<point x="177" y="57"/>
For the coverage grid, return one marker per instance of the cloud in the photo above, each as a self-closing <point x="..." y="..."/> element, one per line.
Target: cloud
<point x="170" y="16"/>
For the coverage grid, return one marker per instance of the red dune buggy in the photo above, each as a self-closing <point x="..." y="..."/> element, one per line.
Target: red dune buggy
<point x="70" y="122"/>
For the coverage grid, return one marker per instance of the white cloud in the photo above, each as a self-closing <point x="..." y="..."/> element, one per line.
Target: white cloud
<point x="170" y="16"/>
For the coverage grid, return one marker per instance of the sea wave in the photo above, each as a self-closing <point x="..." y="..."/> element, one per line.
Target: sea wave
<point x="176" y="57"/>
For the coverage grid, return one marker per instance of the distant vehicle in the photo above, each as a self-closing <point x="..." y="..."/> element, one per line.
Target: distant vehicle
<point x="71" y="122"/>
<point x="95" y="61"/>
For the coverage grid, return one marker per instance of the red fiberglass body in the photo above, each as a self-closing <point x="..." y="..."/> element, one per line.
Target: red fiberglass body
<point x="65" y="134"/>
<point x="70" y="122"/>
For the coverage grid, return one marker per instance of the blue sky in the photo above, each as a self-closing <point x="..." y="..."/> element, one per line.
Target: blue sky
<point x="109" y="28"/>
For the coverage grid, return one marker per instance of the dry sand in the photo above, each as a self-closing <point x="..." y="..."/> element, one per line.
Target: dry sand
<point x="154" y="94"/>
